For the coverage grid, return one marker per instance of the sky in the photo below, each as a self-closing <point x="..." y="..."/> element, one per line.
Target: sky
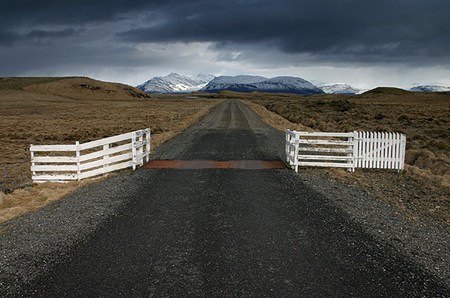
<point x="365" y="43"/>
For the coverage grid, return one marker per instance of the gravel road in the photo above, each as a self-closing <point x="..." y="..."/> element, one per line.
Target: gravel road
<point x="222" y="232"/>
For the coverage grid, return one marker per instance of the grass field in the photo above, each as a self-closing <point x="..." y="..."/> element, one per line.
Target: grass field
<point x="64" y="110"/>
<point x="423" y="189"/>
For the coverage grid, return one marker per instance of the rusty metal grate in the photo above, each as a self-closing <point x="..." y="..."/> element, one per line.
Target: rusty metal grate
<point x="215" y="164"/>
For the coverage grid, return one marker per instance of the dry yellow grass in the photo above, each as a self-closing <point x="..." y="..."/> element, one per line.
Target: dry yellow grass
<point x="423" y="189"/>
<point x="65" y="110"/>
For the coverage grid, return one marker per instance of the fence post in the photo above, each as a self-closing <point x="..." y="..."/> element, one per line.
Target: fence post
<point x="78" y="154"/>
<point x="351" y="139"/>
<point x="287" y="150"/>
<point x="133" y="148"/>
<point x="141" y="147"/>
<point x="297" y="148"/>
<point x="147" y="144"/>
<point x="355" y="149"/>
<point x="33" y="173"/>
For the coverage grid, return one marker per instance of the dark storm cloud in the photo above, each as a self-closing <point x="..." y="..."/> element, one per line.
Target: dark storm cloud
<point x="350" y="29"/>
<point x="35" y="36"/>
<point x="52" y="12"/>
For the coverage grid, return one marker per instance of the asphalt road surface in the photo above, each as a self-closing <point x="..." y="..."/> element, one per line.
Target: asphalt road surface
<point x="230" y="232"/>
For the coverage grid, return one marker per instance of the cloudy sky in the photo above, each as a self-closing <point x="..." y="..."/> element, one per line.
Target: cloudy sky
<point x="366" y="43"/>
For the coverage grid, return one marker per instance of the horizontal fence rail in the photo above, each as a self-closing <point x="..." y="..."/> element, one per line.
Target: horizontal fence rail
<point x="81" y="161"/>
<point x="352" y="150"/>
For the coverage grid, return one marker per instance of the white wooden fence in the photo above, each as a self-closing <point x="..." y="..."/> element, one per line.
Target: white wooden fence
<point x="346" y="150"/>
<point x="80" y="161"/>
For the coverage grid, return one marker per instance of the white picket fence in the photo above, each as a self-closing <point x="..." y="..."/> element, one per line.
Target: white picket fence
<point x="79" y="161"/>
<point x="352" y="150"/>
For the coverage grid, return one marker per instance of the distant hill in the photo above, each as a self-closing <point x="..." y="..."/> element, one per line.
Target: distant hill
<point x="430" y="88"/>
<point x="246" y="83"/>
<point x="175" y="83"/>
<point x="387" y="90"/>
<point x="339" y="88"/>
<point x="74" y="87"/>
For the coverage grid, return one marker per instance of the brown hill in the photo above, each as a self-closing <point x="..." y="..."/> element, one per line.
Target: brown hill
<point x="71" y="87"/>
<point x="85" y="88"/>
<point x="387" y="91"/>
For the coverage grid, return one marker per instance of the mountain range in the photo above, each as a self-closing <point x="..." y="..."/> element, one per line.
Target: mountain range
<point x="176" y="83"/>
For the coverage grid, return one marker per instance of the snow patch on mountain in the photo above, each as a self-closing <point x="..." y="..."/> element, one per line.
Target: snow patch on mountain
<point x="175" y="83"/>
<point x="246" y="83"/>
<point x="430" y="88"/>
<point x="339" y="88"/>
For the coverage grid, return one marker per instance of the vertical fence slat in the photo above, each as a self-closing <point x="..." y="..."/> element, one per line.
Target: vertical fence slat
<point x="372" y="149"/>
<point x="380" y="150"/>
<point x="388" y="151"/>
<point x="362" y="155"/>
<point x="377" y="150"/>
<point x="367" y="150"/>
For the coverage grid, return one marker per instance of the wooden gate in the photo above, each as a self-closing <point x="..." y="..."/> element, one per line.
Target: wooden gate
<point x="346" y="150"/>
<point x="379" y="150"/>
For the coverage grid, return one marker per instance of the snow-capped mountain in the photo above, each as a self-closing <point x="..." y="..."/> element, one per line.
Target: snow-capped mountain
<point x="175" y="83"/>
<point x="430" y="88"/>
<point x="339" y="88"/>
<point x="262" y="84"/>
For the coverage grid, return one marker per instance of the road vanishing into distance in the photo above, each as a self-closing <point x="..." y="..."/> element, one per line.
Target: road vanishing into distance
<point x="210" y="228"/>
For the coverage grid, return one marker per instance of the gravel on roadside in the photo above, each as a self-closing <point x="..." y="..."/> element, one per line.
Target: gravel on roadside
<point x="31" y="244"/>
<point x="423" y="241"/>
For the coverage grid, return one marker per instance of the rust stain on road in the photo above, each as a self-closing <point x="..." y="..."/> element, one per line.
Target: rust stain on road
<point x="215" y="164"/>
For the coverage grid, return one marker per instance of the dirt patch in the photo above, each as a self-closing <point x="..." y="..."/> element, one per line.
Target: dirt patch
<point x="65" y="110"/>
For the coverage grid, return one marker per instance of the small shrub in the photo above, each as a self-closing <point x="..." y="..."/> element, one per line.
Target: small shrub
<point x="404" y="119"/>
<point x="379" y="116"/>
<point x="342" y="105"/>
